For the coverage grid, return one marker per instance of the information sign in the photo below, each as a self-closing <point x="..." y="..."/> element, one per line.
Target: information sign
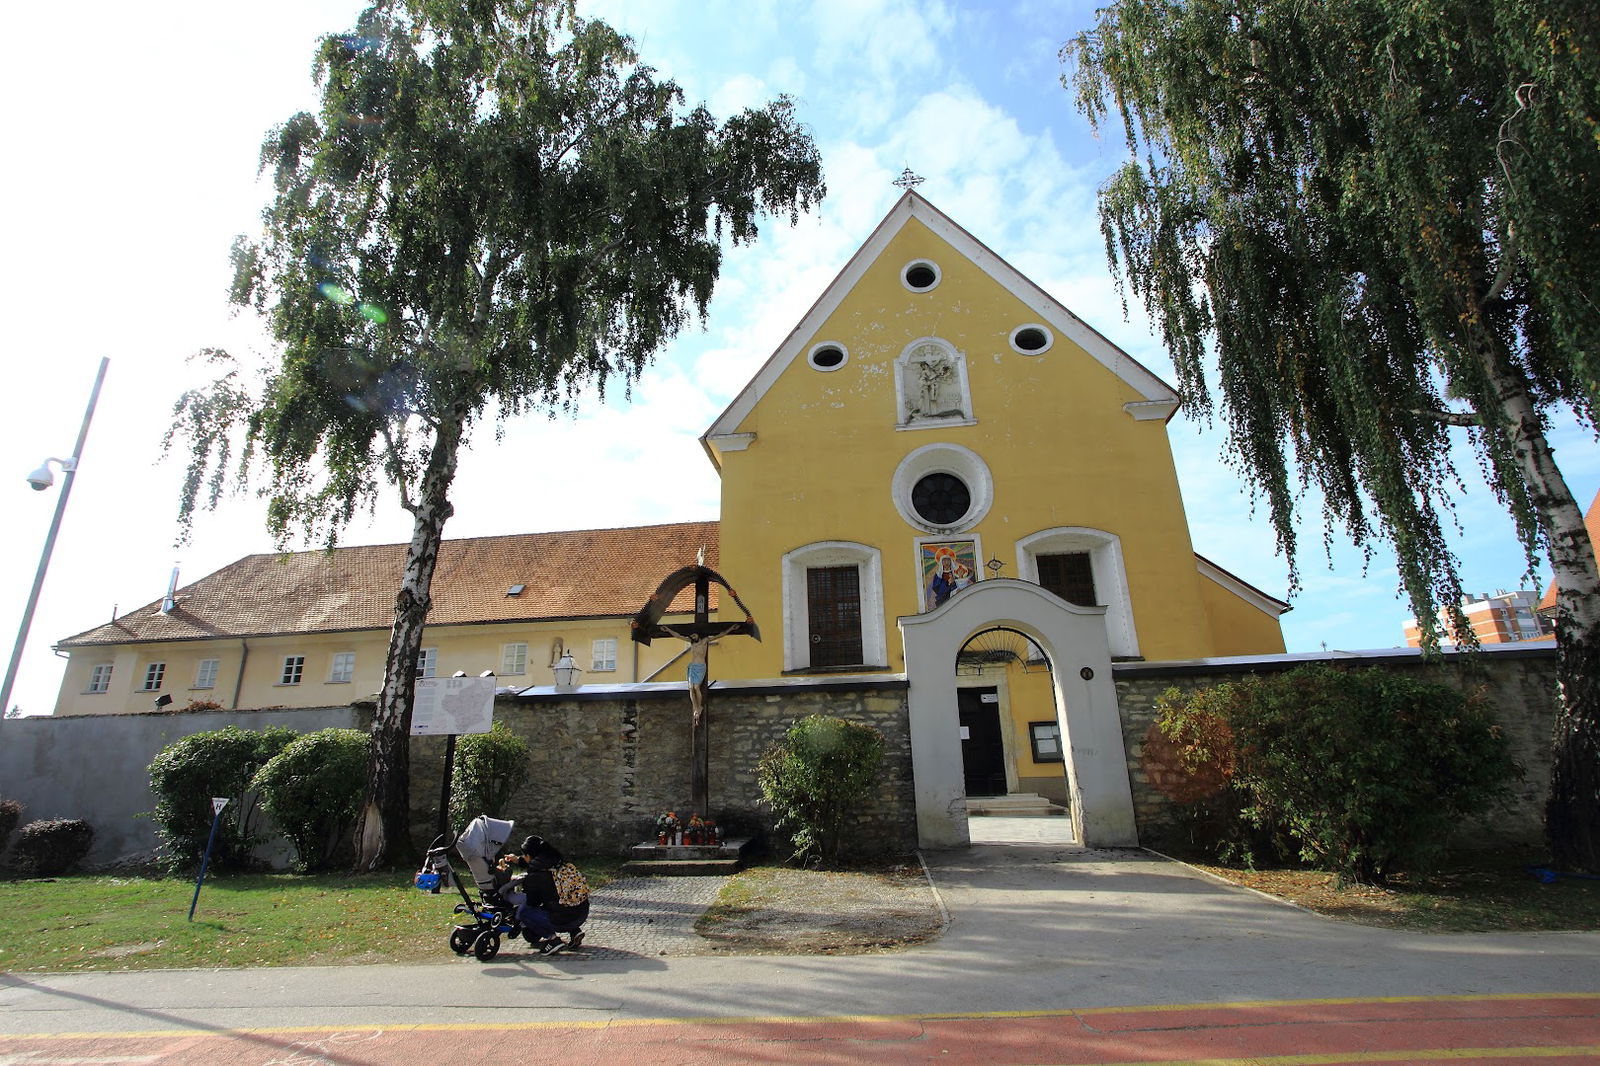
<point x="453" y="706"/>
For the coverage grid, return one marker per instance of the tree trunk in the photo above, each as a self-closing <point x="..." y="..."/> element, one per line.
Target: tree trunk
<point x="383" y="829"/>
<point x="1572" y="806"/>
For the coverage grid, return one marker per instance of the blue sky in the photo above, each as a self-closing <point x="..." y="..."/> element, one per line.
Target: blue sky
<point x="134" y="144"/>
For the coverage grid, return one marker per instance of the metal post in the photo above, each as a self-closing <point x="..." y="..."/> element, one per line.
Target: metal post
<point x="49" y="545"/>
<point x="205" y="860"/>
<point x="444" y="787"/>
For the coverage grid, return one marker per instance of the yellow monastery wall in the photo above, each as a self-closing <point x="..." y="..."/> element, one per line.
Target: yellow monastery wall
<point x="1051" y="428"/>
<point x="472" y="649"/>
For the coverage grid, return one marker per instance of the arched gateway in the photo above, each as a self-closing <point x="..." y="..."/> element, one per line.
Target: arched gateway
<point x="1074" y="639"/>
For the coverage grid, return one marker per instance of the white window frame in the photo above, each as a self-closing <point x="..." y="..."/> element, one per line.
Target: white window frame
<point x="154" y="674"/>
<point x="100" y="678"/>
<point x="943" y="458"/>
<point x="342" y="670"/>
<point x="205" y="673"/>
<point x="428" y="662"/>
<point x="514" y="658"/>
<point x="796" y="615"/>
<point x="1105" y="563"/>
<point x="293" y="672"/>
<point x="603" y="655"/>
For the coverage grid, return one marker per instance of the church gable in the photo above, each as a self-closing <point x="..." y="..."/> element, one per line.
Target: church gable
<point x="905" y="322"/>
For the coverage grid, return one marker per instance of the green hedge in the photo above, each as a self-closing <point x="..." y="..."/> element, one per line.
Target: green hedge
<point x="187" y="774"/>
<point x="1362" y="772"/>
<point x="489" y="768"/>
<point x="815" y="781"/>
<point x="312" y="789"/>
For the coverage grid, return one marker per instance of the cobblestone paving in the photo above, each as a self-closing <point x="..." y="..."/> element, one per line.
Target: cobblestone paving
<point x="634" y="916"/>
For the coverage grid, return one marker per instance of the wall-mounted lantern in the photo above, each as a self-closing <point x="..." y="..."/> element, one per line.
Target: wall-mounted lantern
<point x="566" y="672"/>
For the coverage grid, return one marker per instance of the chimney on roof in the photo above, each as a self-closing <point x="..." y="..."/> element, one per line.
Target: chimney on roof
<point x="170" y="600"/>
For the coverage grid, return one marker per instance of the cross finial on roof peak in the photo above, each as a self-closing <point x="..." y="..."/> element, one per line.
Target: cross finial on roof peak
<point x="908" y="180"/>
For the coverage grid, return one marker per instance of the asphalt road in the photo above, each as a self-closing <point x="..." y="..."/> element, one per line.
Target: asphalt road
<point x="1050" y="947"/>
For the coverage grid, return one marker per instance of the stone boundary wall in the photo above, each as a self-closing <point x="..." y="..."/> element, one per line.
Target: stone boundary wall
<point x="96" y="766"/>
<point x="1520" y="683"/>
<point x="607" y="762"/>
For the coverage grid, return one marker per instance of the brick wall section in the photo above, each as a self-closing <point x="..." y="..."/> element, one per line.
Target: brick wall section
<point x="605" y="764"/>
<point x="1520" y="684"/>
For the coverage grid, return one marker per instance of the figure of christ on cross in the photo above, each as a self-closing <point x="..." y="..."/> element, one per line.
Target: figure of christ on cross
<point x="699" y="658"/>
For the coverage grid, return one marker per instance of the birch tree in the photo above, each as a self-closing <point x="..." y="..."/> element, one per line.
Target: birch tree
<point x="1379" y="222"/>
<point x="496" y="209"/>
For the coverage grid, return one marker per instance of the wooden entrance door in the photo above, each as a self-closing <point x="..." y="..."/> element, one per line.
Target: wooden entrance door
<point x="983" y="755"/>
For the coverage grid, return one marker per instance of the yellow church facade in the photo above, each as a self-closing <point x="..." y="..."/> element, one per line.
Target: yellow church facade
<point x="935" y="421"/>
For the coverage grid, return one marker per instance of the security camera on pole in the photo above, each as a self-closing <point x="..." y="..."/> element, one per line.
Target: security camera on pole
<point x="42" y="479"/>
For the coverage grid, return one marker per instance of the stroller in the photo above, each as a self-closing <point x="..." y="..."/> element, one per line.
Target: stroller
<point x="489" y="917"/>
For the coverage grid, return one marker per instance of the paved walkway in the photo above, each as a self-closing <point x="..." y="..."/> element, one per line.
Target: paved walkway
<point x="1055" y="953"/>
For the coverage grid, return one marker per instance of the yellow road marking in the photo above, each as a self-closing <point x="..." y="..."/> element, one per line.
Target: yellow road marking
<point x="1409" y="1055"/>
<point x="835" y="1019"/>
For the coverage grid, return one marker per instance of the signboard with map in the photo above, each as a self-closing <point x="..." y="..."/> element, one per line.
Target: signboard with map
<point x="453" y="706"/>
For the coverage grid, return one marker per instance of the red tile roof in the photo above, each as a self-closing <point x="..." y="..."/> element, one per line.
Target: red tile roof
<point x="580" y="574"/>
<point x="1591" y="520"/>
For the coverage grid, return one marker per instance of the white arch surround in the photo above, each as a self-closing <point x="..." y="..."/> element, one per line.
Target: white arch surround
<point x="1074" y="638"/>
<point x="1110" y="577"/>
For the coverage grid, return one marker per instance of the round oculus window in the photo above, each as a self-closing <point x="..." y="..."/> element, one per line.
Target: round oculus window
<point x="1031" y="339"/>
<point x="827" y="357"/>
<point x="941" y="499"/>
<point x="920" y="275"/>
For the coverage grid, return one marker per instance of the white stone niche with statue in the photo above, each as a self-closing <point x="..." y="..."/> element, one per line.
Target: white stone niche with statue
<point x="930" y="384"/>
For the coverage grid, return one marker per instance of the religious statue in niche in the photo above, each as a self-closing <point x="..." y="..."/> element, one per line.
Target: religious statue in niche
<point x="699" y="634"/>
<point x="931" y="384"/>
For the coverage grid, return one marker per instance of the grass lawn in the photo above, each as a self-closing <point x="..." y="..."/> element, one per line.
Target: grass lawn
<point x="104" y="922"/>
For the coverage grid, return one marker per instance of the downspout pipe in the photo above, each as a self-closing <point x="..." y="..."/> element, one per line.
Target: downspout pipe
<point x="238" y="682"/>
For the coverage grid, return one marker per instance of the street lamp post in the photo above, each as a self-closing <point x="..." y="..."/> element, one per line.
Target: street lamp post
<point x="41" y="479"/>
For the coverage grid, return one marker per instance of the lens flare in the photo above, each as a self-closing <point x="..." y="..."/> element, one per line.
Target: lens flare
<point x="336" y="293"/>
<point x="373" y="313"/>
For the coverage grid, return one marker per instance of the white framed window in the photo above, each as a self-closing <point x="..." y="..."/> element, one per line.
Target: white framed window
<point x="514" y="658"/>
<point x="603" y="654"/>
<point x="343" y="669"/>
<point x="1031" y="338"/>
<point x="205" y="675"/>
<point x="428" y="662"/>
<point x="294" y="668"/>
<point x="921" y="275"/>
<point x="153" y="674"/>
<point x="815" y="568"/>
<point x="99" y="677"/>
<point x="1106" y="578"/>
<point x="827" y="356"/>
<point x="942" y="488"/>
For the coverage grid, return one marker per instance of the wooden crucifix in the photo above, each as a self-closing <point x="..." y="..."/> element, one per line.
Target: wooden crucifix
<point x="700" y="634"/>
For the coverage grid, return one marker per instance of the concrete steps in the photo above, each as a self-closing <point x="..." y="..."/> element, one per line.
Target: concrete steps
<point x="650" y="859"/>
<point x="1016" y="805"/>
